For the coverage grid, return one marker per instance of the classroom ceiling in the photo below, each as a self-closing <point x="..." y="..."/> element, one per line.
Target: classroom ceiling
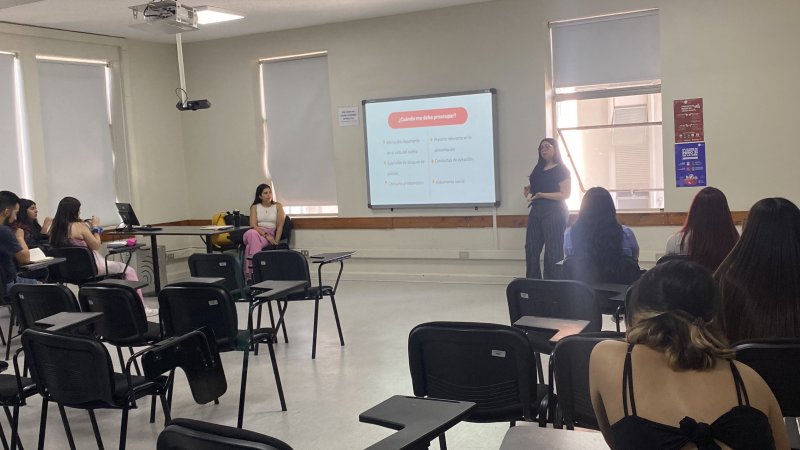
<point x="113" y="18"/>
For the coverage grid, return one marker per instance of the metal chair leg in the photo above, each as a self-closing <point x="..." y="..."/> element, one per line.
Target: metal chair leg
<point x="277" y="375"/>
<point x="3" y="438"/>
<point x="153" y="409"/>
<point x="243" y="387"/>
<point x="65" y="421"/>
<point x="42" y="424"/>
<point x="123" y="432"/>
<point x="314" y="341"/>
<point x="165" y="408"/>
<point x="10" y="329"/>
<point x="336" y="316"/>
<point x="135" y="363"/>
<point x="96" y="430"/>
<point x="13" y="419"/>
<point x="442" y="442"/>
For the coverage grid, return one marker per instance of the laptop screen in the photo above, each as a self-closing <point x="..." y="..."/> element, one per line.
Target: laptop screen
<point x="127" y="215"/>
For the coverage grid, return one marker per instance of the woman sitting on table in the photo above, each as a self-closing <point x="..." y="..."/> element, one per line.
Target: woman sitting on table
<point x="759" y="281"/>
<point x="266" y="223"/>
<point x="708" y="234"/>
<point x="69" y="230"/>
<point x="674" y="384"/>
<point x="27" y="221"/>
<point x="599" y="241"/>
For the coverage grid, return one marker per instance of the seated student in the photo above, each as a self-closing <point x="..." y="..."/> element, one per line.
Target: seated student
<point x="600" y="241"/>
<point x="759" y="281"/>
<point x="266" y="223"/>
<point x="674" y="383"/>
<point x="708" y="234"/>
<point x="34" y="233"/>
<point x="69" y="230"/>
<point x="13" y="249"/>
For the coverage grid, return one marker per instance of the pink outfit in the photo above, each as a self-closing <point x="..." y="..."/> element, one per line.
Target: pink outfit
<point x="113" y="266"/>
<point x="253" y="243"/>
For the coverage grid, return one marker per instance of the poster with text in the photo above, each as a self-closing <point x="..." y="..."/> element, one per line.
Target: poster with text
<point x="690" y="164"/>
<point x="689" y="120"/>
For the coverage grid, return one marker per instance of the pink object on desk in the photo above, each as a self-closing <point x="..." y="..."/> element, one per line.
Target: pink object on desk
<point x="131" y="242"/>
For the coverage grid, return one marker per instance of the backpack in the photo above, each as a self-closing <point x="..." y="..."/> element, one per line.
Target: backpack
<point x="224" y="239"/>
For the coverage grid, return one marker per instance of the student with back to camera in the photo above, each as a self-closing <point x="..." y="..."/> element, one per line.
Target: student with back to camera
<point x="266" y="225"/>
<point x="759" y="281"/>
<point x="69" y="230"/>
<point x="674" y="383"/>
<point x="547" y="192"/>
<point x="708" y="234"/>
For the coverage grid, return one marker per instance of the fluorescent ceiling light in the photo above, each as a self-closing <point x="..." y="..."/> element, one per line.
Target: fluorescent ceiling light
<point x="212" y="14"/>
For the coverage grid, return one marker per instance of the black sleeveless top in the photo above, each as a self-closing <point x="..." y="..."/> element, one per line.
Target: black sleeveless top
<point x="741" y="428"/>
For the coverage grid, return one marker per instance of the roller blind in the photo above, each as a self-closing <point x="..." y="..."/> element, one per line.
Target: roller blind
<point x="297" y="104"/>
<point x="77" y="137"/>
<point x="11" y="169"/>
<point x="612" y="49"/>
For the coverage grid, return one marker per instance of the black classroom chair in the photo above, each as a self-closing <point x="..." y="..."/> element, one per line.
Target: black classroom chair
<point x="777" y="360"/>
<point x="77" y="372"/>
<point x="489" y="364"/>
<point x="187" y="307"/>
<point x="14" y="390"/>
<point x="37" y="301"/>
<point x="569" y="375"/>
<point x="124" y="322"/>
<point x="290" y="265"/>
<point x="561" y="299"/>
<point x="188" y="434"/>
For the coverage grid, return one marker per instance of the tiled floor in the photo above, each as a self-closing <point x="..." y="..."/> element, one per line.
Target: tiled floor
<point x="326" y="395"/>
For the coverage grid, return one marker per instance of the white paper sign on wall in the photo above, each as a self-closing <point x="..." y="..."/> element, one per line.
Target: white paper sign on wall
<point x="348" y="116"/>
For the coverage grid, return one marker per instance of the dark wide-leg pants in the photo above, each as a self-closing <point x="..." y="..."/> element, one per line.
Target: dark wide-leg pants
<point x="545" y="229"/>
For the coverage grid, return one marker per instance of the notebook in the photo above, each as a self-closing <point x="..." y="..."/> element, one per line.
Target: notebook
<point x="37" y="256"/>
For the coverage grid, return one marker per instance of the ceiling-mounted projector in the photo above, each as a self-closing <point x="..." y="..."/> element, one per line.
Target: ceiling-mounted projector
<point x="164" y="16"/>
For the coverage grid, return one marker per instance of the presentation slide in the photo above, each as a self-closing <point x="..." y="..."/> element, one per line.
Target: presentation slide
<point x="431" y="151"/>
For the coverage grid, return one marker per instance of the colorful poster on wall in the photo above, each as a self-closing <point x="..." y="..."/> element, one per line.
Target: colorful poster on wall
<point x="690" y="164"/>
<point x="688" y="120"/>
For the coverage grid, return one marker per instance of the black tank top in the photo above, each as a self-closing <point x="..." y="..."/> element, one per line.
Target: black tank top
<point x="741" y="428"/>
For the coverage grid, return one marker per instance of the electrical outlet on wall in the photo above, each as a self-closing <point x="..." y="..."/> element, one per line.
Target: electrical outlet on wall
<point x="304" y="252"/>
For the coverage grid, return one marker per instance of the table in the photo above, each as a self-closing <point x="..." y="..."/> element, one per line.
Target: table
<point x="327" y="258"/>
<point x="205" y="235"/>
<point x="525" y="437"/>
<point x="418" y="420"/>
<point x="561" y="327"/>
<point x="68" y="321"/>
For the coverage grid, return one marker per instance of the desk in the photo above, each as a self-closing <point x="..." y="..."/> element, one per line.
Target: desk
<point x="418" y="420"/>
<point x="525" y="437"/>
<point x="561" y="327"/>
<point x="201" y="280"/>
<point x="612" y="288"/>
<point x="41" y="265"/>
<point x="68" y="321"/>
<point x="327" y="258"/>
<point x="205" y="235"/>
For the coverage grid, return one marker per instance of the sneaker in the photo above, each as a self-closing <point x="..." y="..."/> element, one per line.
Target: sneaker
<point x="150" y="312"/>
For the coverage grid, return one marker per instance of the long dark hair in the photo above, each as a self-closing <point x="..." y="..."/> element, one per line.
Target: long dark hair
<point x="709" y="233"/>
<point x="67" y="213"/>
<point x="596" y="233"/>
<point x="759" y="280"/>
<point x="540" y="163"/>
<point x="259" y="191"/>
<point x="672" y="308"/>
<point x="24" y="219"/>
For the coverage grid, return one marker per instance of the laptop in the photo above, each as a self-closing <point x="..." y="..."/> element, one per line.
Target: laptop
<point x="130" y="220"/>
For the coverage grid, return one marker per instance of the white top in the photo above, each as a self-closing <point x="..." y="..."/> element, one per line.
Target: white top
<point x="267" y="216"/>
<point x="674" y="245"/>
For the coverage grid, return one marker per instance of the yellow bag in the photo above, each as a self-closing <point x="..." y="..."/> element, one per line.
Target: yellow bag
<point x="220" y="240"/>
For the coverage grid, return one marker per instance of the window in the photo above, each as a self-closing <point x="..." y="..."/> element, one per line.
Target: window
<point x="14" y="169"/>
<point x="76" y="125"/>
<point x="298" y="133"/>
<point x="607" y="104"/>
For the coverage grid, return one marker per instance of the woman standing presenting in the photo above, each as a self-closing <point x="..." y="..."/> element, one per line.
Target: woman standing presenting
<point x="547" y="193"/>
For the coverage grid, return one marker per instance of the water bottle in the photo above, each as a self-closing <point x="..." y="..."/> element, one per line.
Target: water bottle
<point x="236" y="218"/>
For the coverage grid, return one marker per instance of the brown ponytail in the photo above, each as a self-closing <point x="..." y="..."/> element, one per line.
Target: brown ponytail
<point x="688" y="343"/>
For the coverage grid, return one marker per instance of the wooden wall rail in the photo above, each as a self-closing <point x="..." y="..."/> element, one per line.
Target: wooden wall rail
<point x="631" y="219"/>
